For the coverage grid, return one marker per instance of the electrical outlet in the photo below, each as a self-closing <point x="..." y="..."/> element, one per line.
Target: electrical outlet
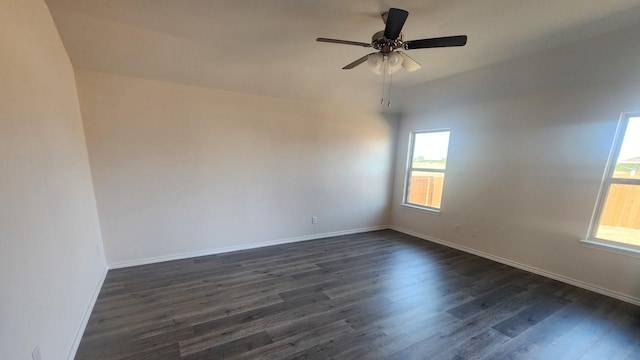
<point x="457" y="227"/>
<point x="314" y="219"/>
<point x="474" y="232"/>
<point x="35" y="355"/>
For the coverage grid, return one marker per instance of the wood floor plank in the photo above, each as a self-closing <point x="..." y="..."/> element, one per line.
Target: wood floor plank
<point x="618" y="343"/>
<point x="215" y="332"/>
<point x="486" y="301"/>
<point x="580" y="339"/>
<point x="377" y="295"/>
<point x="530" y="343"/>
<point x="474" y="347"/>
<point x="300" y="341"/>
<point x="335" y="346"/>
<point x="165" y="352"/>
<point x="529" y="317"/>
<point x="231" y="348"/>
<point x="495" y="308"/>
<point x="343" y="312"/>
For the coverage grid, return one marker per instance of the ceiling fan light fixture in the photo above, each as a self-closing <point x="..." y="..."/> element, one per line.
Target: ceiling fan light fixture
<point x="389" y="42"/>
<point x="375" y="62"/>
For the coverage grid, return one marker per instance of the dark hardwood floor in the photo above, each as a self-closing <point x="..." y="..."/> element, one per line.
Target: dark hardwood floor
<point x="378" y="295"/>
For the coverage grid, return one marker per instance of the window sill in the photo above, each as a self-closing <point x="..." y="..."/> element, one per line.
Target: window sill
<point x="420" y="208"/>
<point x="611" y="247"/>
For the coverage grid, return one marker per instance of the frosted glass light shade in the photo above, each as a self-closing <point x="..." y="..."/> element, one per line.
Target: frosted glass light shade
<point x="376" y="63"/>
<point x="395" y="62"/>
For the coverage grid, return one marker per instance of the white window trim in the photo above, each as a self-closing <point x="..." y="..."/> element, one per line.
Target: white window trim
<point x="610" y="246"/>
<point x="409" y="168"/>
<point x="607" y="179"/>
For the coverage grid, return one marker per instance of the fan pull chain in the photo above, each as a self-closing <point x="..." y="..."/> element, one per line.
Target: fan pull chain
<point x="385" y="67"/>
<point x="389" y="90"/>
<point x="387" y="77"/>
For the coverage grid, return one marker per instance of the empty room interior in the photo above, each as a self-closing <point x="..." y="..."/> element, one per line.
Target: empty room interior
<point x="314" y="179"/>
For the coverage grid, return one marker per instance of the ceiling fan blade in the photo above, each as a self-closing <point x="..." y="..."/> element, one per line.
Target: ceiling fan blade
<point x="447" y="41"/>
<point x="343" y="42"/>
<point x="395" y="22"/>
<point x="408" y="63"/>
<point x="357" y="62"/>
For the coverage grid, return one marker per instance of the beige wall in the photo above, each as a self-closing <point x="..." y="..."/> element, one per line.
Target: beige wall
<point x="50" y="248"/>
<point x="529" y="142"/>
<point x="181" y="169"/>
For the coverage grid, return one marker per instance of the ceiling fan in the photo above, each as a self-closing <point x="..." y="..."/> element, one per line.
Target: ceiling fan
<point x="388" y="59"/>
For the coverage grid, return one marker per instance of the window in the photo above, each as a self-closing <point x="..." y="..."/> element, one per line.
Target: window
<point x="425" y="169"/>
<point x="616" y="218"/>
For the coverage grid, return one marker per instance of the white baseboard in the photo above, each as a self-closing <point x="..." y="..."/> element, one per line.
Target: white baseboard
<point x="124" y="264"/>
<point x="87" y="315"/>
<point x="564" y="279"/>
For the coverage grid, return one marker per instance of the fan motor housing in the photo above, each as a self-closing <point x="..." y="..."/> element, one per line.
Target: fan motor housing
<point x="379" y="42"/>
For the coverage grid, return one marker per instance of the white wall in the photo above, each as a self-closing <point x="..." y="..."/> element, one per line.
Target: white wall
<point x="51" y="258"/>
<point x="529" y="142"/>
<point x="180" y="169"/>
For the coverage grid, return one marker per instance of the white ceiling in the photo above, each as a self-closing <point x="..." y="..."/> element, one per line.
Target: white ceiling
<point x="269" y="48"/>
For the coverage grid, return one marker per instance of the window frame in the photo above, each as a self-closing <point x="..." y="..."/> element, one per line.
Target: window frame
<point x="607" y="180"/>
<point x="409" y="169"/>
